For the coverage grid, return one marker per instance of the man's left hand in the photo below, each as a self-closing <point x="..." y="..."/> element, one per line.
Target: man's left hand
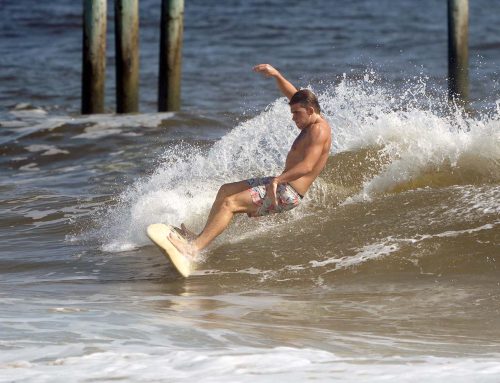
<point x="271" y="190"/>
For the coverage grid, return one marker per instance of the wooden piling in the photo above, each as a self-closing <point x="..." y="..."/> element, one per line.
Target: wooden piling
<point x="172" y="25"/>
<point x="458" y="51"/>
<point x="94" y="56"/>
<point x="127" y="55"/>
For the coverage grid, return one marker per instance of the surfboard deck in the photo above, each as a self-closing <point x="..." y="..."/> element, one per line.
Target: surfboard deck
<point x="158" y="233"/>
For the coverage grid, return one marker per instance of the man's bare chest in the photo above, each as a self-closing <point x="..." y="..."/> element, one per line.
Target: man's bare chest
<point x="298" y="143"/>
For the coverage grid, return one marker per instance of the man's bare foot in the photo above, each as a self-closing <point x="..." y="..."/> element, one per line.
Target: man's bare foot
<point x="186" y="248"/>
<point x="188" y="234"/>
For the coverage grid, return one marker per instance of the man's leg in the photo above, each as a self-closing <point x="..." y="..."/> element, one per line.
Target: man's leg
<point x="232" y="198"/>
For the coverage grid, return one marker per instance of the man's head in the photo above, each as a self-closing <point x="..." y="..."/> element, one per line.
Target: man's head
<point x="304" y="105"/>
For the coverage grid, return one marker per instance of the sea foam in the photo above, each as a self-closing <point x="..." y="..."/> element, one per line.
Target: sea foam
<point x="411" y="129"/>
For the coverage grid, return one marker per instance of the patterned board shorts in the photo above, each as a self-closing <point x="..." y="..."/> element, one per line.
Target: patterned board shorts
<point x="288" y="198"/>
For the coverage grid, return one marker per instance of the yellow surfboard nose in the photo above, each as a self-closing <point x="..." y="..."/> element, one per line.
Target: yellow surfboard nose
<point x="159" y="233"/>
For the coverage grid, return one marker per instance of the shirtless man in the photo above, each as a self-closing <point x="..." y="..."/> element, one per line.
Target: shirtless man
<point x="262" y="196"/>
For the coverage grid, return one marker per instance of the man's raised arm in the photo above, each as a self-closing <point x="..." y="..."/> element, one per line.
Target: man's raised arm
<point x="284" y="85"/>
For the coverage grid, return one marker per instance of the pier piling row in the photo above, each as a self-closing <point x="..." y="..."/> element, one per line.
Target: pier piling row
<point x="171" y="35"/>
<point x="127" y="55"/>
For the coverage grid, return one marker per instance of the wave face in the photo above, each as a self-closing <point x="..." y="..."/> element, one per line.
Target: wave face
<point x="409" y="181"/>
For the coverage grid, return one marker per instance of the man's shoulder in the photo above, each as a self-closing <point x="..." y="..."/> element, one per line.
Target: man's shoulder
<point x="320" y="128"/>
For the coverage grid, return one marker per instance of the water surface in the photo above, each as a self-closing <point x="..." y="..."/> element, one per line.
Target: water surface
<point x="387" y="271"/>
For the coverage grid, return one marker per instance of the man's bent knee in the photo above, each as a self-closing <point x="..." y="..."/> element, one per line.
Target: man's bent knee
<point x="223" y="192"/>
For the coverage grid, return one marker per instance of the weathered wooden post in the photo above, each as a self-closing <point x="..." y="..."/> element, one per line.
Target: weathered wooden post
<point x="127" y="55"/>
<point x="458" y="50"/>
<point x="169" y="94"/>
<point x="94" y="56"/>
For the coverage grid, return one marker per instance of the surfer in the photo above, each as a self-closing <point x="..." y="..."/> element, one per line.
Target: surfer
<point x="262" y="196"/>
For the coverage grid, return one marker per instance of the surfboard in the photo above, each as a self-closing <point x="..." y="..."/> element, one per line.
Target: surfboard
<point x="158" y="233"/>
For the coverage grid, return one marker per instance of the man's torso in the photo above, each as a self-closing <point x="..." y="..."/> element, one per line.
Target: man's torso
<point x="297" y="154"/>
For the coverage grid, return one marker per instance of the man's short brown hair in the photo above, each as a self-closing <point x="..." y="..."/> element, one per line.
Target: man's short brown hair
<point x="306" y="98"/>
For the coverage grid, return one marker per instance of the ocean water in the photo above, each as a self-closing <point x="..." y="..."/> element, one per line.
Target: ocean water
<point x="387" y="272"/>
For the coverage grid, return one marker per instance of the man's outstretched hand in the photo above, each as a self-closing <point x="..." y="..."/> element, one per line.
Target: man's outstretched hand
<point x="266" y="69"/>
<point x="284" y="85"/>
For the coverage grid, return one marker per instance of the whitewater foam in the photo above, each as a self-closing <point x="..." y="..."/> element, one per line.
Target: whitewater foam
<point x="247" y="365"/>
<point x="184" y="186"/>
<point x="96" y="126"/>
<point x="363" y="114"/>
<point x="48" y="150"/>
<point x="366" y="253"/>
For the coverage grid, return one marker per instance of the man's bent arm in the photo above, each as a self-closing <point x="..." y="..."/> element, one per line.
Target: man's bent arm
<point x="285" y="86"/>
<point x="298" y="171"/>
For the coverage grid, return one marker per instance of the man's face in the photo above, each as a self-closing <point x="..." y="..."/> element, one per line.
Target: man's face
<point x="300" y="115"/>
